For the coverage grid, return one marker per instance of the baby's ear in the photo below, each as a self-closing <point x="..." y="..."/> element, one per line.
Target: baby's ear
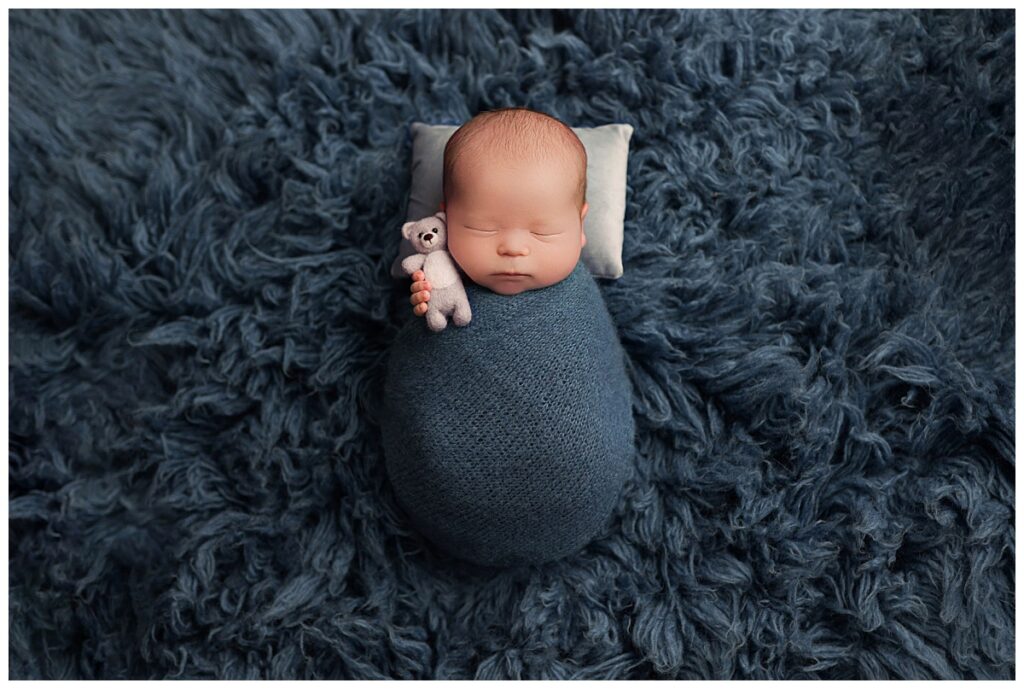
<point x="407" y="228"/>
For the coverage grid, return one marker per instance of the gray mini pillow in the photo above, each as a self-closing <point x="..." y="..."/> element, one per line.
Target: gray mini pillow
<point x="607" y="155"/>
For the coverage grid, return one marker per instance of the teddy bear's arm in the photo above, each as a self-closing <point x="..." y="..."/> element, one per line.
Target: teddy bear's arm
<point x="412" y="263"/>
<point x="440" y="269"/>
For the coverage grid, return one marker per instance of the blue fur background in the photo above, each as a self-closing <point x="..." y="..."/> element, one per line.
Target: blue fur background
<point x="817" y="305"/>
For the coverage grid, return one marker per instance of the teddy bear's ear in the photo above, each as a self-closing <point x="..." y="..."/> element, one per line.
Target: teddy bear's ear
<point x="407" y="228"/>
<point x="442" y="215"/>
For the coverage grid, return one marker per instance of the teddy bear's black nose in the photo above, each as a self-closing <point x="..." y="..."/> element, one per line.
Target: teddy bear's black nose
<point x="427" y="237"/>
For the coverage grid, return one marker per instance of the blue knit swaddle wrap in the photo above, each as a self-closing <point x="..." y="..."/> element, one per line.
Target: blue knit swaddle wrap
<point x="508" y="440"/>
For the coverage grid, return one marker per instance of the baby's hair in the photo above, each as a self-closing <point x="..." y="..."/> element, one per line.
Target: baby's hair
<point x="510" y="127"/>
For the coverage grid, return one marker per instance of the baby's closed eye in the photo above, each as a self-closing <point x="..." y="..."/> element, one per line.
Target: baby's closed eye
<point x="539" y="231"/>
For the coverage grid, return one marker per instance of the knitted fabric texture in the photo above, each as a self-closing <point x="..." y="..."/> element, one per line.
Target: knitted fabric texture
<point x="508" y="440"/>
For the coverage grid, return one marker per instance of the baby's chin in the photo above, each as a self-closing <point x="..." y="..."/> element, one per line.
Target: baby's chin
<point x="511" y="286"/>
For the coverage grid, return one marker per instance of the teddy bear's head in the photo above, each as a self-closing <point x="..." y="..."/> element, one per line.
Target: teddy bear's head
<point x="428" y="234"/>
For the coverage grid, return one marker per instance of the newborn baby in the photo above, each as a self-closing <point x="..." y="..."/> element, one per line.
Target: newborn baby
<point x="515" y="185"/>
<point x="508" y="440"/>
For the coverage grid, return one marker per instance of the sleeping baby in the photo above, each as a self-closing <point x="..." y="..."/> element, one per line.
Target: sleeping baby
<point x="515" y="186"/>
<point x="508" y="439"/>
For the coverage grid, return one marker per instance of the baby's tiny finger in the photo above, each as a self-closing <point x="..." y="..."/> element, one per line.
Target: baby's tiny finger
<point x="420" y="309"/>
<point x="418" y="275"/>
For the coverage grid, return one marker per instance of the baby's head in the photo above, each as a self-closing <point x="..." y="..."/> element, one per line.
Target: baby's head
<point x="515" y="185"/>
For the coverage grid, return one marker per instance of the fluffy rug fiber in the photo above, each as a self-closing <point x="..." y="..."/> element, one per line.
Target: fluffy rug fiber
<point x="817" y="305"/>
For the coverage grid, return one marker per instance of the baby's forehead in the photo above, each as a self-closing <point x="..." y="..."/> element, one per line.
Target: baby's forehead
<point x="514" y="169"/>
<point x="534" y="157"/>
<point x="498" y="191"/>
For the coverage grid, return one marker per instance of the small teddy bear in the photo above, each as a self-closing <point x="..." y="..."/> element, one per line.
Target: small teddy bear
<point x="429" y="237"/>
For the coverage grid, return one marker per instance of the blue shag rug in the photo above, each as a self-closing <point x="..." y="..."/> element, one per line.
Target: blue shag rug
<point x="817" y="305"/>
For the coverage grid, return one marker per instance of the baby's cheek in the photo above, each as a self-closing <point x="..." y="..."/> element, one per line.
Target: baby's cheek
<point x="462" y="244"/>
<point x="457" y="249"/>
<point x="454" y="243"/>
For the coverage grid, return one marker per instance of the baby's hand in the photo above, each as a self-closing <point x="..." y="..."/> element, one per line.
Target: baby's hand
<point x="421" y="294"/>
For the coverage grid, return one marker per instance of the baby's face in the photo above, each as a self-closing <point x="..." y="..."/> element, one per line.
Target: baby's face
<point x="518" y="218"/>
